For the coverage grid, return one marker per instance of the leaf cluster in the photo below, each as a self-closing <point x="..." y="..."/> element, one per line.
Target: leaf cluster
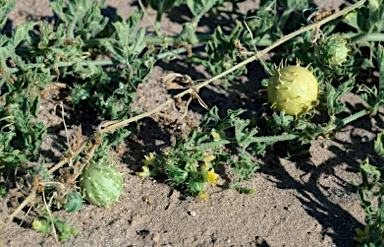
<point x="47" y="223"/>
<point x="188" y="163"/>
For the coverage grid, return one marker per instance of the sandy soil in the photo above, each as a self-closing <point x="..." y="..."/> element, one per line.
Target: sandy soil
<point x="309" y="201"/>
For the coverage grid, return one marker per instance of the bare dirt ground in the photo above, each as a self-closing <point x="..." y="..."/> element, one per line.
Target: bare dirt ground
<point x="309" y="201"/>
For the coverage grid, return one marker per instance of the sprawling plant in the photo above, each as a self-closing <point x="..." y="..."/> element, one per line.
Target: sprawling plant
<point x="86" y="61"/>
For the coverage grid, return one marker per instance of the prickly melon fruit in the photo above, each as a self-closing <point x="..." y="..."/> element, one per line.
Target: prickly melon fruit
<point x="292" y="89"/>
<point x="101" y="183"/>
<point x="333" y="51"/>
<point x="74" y="202"/>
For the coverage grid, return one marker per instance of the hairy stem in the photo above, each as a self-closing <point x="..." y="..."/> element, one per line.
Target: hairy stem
<point x="352" y="118"/>
<point x="149" y="18"/>
<point x="375" y="37"/>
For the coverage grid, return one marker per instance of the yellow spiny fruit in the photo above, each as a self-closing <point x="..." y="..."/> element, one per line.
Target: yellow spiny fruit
<point x="292" y="89"/>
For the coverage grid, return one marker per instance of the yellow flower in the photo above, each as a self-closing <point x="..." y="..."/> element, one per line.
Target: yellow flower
<point x="207" y="162"/>
<point x="40" y="226"/>
<point x="145" y="173"/>
<point x="215" y="135"/>
<point x="212" y="177"/>
<point x="149" y="159"/>
<point x="203" y="195"/>
<point x="208" y="158"/>
<point x="362" y="235"/>
<point x="36" y="224"/>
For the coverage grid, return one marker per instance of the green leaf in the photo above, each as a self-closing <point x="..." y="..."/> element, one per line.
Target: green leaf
<point x="125" y="29"/>
<point x="58" y="6"/>
<point x="139" y="43"/>
<point x="363" y="20"/>
<point x="298" y="5"/>
<point x="351" y="20"/>
<point x="334" y="104"/>
<point x="92" y="23"/>
<point x="227" y="122"/>
<point x="222" y="53"/>
<point x="21" y="32"/>
<point x="161" y="5"/>
<point x="79" y="8"/>
<point x="364" y="63"/>
<point x="245" y="167"/>
<point x="261" y="26"/>
<point x="5" y="8"/>
<point x="375" y="11"/>
<point x="34" y="105"/>
<point x="370" y="175"/>
<point x="244" y="137"/>
<point x="379" y="144"/>
<point x="200" y="7"/>
<point x="84" y="15"/>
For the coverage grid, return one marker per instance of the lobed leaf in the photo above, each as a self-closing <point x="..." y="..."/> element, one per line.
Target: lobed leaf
<point x="379" y="144"/>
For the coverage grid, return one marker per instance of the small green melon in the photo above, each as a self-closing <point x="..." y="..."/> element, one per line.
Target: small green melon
<point x="101" y="183"/>
<point x="74" y="202"/>
<point x="333" y="51"/>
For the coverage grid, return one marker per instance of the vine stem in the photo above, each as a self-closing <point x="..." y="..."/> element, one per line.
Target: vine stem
<point x="157" y="31"/>
<point x="124" y="123"/>
<point x="376" y="37"/>
<point x="352" y="118"/>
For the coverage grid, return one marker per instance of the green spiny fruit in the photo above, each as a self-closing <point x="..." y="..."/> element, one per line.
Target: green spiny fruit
<point x="101" y="183"/>
<point x="292" y="89"/>
<point x="333" y="51"/>
<point x="74" y="202"/>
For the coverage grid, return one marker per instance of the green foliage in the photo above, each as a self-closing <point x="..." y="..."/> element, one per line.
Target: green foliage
<point x="85" y="15"/>
<point x="62" y="227"/>
<point x="61" y="52"/>
<point x="298" y="5"/>
<point x="261" y="25"/>
<point x="371" y="189"/>
<point x="222" y="54"/>
<point x="161" y="5"/>
<point x="98" y="65"/>
<point x="375" y="96"/>
<point x="200" y="7"/>
<point x="5" y="8"/>
<point x="192" y="160"/>
<point x="20" y="135"/>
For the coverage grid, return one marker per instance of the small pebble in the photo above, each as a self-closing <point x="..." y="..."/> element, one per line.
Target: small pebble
<point x="192" y="213"/>
<point x="365" y="139"/>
